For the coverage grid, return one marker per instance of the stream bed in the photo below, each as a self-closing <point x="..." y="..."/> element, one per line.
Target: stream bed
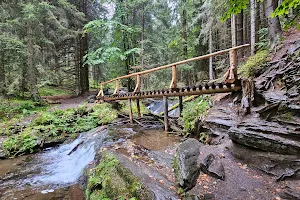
<point x="56" y="173"/>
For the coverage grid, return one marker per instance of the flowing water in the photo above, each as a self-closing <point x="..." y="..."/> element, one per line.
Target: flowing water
<point x="157" y="106"/>
<point x="52" y="169"/>
<point x="55" y="172"/>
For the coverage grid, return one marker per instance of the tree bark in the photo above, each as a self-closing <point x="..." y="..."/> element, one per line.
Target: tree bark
<point x="2" y="76"/>
<point x="252" y="24"/>
<point x="274" y="27"/>
<point x="32" y="71"/>
<point x="233" y="31"/>
<point x="239" y="33"/>
<point x="211" y="70"/>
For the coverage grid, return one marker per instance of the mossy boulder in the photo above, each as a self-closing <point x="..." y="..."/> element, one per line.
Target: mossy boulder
<point x="186" y="167"/>
<point x="110" y="180"/>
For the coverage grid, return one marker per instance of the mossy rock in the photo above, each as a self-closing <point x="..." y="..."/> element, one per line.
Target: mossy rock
<point x="110" y="180"/>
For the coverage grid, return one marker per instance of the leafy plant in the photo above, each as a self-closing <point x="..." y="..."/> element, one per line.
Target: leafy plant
<point x="57" y="126"/>
<point x="191" y="112"/>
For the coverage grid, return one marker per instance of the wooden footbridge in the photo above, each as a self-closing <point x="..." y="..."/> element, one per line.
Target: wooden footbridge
<point x="230" y="83"/>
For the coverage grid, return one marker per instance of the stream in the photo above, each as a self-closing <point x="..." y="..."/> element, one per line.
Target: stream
<point x="56" y="173"/>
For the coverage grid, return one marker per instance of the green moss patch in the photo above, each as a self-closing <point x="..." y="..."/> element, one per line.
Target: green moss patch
<point x="110" y="180"/>
<point x="253" y="64"/>
<point x="53" y="91"/>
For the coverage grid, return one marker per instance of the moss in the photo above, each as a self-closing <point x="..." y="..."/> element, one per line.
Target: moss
<point x="110" y="180"/>
<point x="253" y="64"/>
<point x="52" y="91"/>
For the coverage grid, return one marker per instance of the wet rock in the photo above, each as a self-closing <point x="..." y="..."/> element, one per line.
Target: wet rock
<point x="189" y="196"/>
<point x="265" y="142"/>
<point x="91" y="98"/>
<point x="213" y="167"/>
<point x="112" y="180"/>
<point x="2" y="153"/>
<point x="185" y="165"/>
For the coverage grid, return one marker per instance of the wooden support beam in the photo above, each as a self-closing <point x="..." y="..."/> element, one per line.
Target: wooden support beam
<point x="166" y="115"/>
<point x="180" y="106"/>
<point x="232" y="75"/>
<point x="174" y="78"/>
<point x="130" y="111"/>
<point x="138" y="107"/>
<point x="117" y="87"/>
<point x="101" y="94"/>
<point x="138" y="83"/>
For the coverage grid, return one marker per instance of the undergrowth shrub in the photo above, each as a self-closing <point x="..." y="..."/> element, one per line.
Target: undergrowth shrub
<point x="17" y="108"/>
<point x="58" y="125"/>
<point x="125" y="108"/>
<point x="192" y="110"/>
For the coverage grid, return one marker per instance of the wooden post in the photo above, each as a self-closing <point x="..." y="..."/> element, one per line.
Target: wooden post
<point x="166" y="116"/>
<point x="130" y="112"/>
<point x="138" y="107"/>
<point x="117" y="87"/>
<point x="138" y="83"/>
<point x="101" y="91"/>
<point x="233" y="65"/>
<point x="180" y="106"/>
<point x="174" y="78"/>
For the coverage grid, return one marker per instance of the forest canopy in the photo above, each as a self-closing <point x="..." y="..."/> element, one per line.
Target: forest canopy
<point x="76" y="44"/>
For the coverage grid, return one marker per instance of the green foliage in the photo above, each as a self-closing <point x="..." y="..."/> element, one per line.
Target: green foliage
<point x="253" y="64"/>
<point x="192" y="110"/>
<point x="110" y="180"/>
<point x="234" y="7"/>
<point x="125" y="108"/>
<point x="263" y="39"/>
<point x="287" y="8"/>
<point x="24" y="142"/>
<point x="53" y="91"/>
<point x="57" y="126"/>
<point x="18" y="108"/>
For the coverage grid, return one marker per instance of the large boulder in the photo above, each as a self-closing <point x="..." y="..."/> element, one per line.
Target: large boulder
<point x="185" y="165"/>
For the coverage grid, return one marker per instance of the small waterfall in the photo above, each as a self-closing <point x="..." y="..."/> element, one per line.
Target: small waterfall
<point x="157" y="106"/>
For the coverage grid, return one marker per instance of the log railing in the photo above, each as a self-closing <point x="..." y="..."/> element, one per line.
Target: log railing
<point x="231" y="75"/>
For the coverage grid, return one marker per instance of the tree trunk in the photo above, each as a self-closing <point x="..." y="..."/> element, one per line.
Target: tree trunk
<point x="233" y="31"/>
<point x="2" y="76"/>
<point x="275" y="31"/>
<point x="239" y="33"/>
<point x="184" y="31"/>
<point x="187" y="75"/>
<point x="252" y="24"/>
<point x="211" y="70"/>
<point x="32" y="71"/>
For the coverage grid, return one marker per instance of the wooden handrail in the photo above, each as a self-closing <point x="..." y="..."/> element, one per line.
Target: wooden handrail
<point x="177" y="63"/>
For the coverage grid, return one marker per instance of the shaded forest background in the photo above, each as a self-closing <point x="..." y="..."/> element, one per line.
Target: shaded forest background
<point x="76" y="44"/>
